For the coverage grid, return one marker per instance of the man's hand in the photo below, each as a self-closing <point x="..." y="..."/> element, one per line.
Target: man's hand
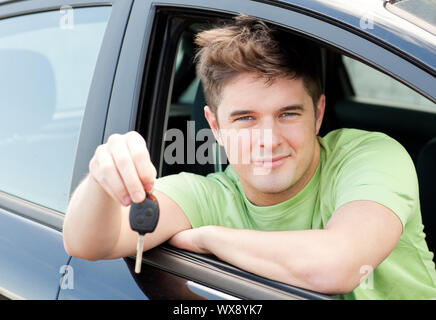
<point x="96" y="225"/>
<point x="122" y="167"/>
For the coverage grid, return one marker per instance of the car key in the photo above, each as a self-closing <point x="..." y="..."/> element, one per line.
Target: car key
<point x="143" y="219"/>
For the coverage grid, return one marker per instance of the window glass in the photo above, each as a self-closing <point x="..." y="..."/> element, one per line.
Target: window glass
<point x="47" y="62"/>
<point x="371" y="84"/>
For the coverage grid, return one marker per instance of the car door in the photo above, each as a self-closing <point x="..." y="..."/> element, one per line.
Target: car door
<point x="48" y="57"/>
<point x="142" y="99"/>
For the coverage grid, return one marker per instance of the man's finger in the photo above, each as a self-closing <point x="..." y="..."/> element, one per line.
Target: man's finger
<point x="141" y="159"/>
<point x="126" y="168"/>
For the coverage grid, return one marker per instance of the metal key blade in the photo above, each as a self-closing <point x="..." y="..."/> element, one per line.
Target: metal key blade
<point x="139" y="250"/>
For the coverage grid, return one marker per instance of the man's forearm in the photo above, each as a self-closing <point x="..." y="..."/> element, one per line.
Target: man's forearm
<point x="302" y="258"/>
<point x="92" y="222"/>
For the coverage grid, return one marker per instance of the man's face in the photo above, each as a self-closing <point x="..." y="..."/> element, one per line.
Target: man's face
<point x="269" y="134"/>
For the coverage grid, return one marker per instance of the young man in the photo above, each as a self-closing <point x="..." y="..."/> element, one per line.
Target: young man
<point x="317" y="213"/>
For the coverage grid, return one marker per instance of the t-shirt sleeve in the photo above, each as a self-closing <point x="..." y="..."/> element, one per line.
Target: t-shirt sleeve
<point x="378" y="169"/>
<point x="191" y="193"/>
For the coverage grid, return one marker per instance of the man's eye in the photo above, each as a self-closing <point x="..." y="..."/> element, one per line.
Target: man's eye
<point x="244" y="118"/>
<point x="288" y="114"/>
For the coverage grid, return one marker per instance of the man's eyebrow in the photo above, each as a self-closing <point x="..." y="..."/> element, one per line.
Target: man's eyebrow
<point x="296" y="107"/>
<point x="239" y="113"/>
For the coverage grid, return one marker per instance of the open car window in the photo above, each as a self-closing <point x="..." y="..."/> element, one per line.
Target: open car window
<point x="182" y="108"/>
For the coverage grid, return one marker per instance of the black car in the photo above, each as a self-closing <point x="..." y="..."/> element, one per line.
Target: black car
<point x="74" y="72"/>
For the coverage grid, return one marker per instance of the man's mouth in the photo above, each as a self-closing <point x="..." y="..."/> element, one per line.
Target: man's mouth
<point x="271" y="162"/>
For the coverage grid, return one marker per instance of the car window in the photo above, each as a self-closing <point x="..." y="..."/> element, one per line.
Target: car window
<point x="47" y="61"/>
<point x="368" y="83"/>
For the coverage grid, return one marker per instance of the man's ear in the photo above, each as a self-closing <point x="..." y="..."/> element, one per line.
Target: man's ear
<point x="319" y="116"/>
<point x="213" y="123"/>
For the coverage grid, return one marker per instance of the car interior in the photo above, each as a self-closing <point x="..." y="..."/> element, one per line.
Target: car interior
<point x="409" y="124"/>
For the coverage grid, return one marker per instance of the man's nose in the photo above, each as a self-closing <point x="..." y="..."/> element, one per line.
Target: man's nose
<point x="269" y="136"/>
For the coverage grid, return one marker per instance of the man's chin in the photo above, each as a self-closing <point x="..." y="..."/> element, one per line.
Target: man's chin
<point x="259" y="171"/>
<point x="272" y="185"/>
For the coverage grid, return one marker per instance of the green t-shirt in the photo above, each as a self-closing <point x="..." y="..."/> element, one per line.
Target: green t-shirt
<point x="354" y="165"/>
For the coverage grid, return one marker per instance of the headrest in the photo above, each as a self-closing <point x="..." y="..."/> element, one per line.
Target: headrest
<point x="27" y="91"/>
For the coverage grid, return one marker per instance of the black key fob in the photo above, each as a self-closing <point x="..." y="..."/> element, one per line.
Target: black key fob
<point x="144" y="216"/>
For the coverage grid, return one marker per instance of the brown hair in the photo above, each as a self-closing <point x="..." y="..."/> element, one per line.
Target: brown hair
<point x="250" y="45"/>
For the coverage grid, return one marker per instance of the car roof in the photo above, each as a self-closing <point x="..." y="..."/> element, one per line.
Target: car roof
<point x="371" y="17"/>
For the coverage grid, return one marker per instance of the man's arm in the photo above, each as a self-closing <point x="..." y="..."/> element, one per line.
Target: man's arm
<point x="360" y="233"/>
<point x="96" y="224"/>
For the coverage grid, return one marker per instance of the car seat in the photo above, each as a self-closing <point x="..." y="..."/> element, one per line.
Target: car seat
<point x="197" y="115"/>
<point x="426" y="170"/>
